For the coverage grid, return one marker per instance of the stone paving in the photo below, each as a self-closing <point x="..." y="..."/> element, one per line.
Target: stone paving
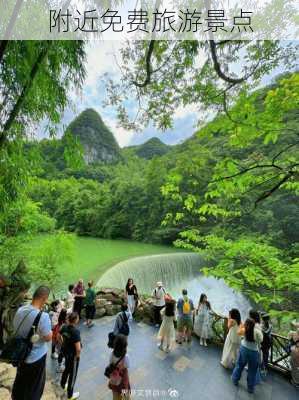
<point x="187" y="373"/>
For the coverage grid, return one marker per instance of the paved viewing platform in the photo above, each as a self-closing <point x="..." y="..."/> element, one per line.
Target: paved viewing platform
<point x="187" y="373"/>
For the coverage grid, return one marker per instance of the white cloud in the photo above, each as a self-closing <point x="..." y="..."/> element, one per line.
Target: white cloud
<point x="102" y="57"/>
<point x="122" y="135"/>
<point x="186" y="111"/>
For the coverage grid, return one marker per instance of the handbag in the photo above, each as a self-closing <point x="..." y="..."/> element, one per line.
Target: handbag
<point x="112" y="369"/>
<point x="17" y="349"/>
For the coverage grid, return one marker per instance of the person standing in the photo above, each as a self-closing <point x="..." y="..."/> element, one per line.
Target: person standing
<point x="71" y="348"/>
<point x="62" y="319"/>
<point x="166" y="332"/>
<point x="31" y="375"/>
<point x="131" y="295"/>
<point x="185" y="309"/>
<point x="56" y="308"/>
<point x="267" y="341"/>
<point x="232" y="341"/>
<point x="121" y="325"/>
<point x="248" y="354"/>
<point x="119" y="381"/>
<point x="255" y="315"/>
<point x="90" y="304"/>
<point x="70" y="299"/>
<point x="159" y="302"/>
<point x="55" y="330"/>
<point x="202" y="323"/>
<point x="79" y="294"/>
<point x="294" y="361"/>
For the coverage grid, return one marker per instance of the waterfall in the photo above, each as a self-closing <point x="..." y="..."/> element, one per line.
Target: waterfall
<point x="171" y="269"/>
<point x="177" y="271"/>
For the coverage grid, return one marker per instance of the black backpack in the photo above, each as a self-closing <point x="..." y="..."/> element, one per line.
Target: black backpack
<point x="17" y="349"/>
<point x="124" y="329"/>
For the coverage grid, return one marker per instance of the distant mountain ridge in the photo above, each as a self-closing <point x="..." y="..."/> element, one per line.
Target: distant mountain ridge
<point x="97" y="140"/>
<point x="151" y="148"/>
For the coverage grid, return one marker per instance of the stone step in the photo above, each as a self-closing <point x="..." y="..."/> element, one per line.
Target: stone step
<point x="7" y="377"/>
<point x="4" y="394"/>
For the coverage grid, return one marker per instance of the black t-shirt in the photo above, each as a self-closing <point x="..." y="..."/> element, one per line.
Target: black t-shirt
<point x="131" y="290"/>
<point x="70" y="335"/>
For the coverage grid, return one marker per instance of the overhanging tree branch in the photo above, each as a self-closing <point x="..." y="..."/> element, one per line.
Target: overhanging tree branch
<point x="268" y="193"/>
<point x="16" y="109"/>
<point x="217" y="66"/>
<point x="148" y="66"/>
<point x="283" y="151"/>
<point x="220" y="73"/>
<point x="245" y="170"/>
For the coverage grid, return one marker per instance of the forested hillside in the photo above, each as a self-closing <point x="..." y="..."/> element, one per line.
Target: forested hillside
<point x="230" y="191"/>
<point x="86" y="141"/>
<point x="151" y="148"/>
<point x="133" y="197"/>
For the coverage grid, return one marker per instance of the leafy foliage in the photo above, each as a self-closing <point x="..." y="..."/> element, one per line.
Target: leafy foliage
<point x="165" y="75"/>
<point x="46" y="259"/>
<point x="230" y="191"/>
<point x="249" y="265"/>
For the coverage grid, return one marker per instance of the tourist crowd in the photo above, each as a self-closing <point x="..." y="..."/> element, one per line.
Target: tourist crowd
<point x="247" y="344"/>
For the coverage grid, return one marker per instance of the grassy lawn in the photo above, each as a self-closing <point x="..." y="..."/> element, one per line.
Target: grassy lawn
<point x="94" y="256"/>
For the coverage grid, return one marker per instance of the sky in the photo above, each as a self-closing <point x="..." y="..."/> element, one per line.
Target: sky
<point x="103" y="58"/>
<point x="100" y="60"/>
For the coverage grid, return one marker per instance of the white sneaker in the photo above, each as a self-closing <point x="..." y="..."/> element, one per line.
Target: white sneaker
<point x="75" y="396"/>
<point x="160" y="346"/>
<point x="201" y="342"/>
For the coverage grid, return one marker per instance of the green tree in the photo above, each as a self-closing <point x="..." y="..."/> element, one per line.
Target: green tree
<point x="33" y="87"/>
<point x="45" y="259"/>
<point x="252" y="266"/>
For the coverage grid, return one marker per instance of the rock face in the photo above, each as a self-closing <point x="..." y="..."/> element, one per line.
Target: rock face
<point x="7" y="376"/>
<point x="109" y="301"/>
<point x="99" y="144"/>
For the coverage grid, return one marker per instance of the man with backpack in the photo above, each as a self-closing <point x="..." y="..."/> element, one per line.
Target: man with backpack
<point x="185" y="309"/>
<point x="159" y="302"/>
<point x="121" y="326"/>
<point x="70" y="339"/>
<point x="31" y="323"/>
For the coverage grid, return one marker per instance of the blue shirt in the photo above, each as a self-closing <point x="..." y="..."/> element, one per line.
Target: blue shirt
<point x="119" y="321"/>
<point x="29" y="312"/>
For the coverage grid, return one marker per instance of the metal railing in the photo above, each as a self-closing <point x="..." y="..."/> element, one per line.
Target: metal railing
<point x="279" y="357"/>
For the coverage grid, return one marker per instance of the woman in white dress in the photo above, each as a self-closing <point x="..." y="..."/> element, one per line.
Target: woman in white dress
<point x="166" y="333"/>
<point x="232" y="341"/>
<point x="131" y="295"/>
<point x="203" y="320"/>
<point x="70" y="300"/>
